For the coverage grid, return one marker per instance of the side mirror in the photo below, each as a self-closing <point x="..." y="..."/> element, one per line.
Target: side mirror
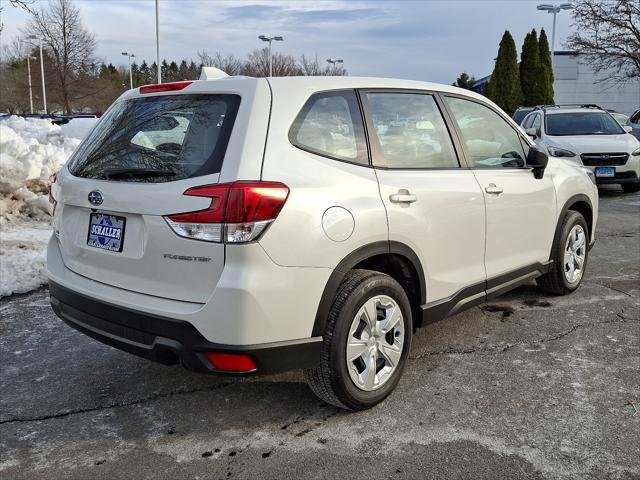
<point x="538" y="160"/>
<point x="627" y="128"/>
<point x="532" y="132"/>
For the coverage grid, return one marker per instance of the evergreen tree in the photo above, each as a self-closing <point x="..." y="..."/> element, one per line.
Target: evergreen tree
<point x="183" y="71"/>
<point x="545" y="62"/>
<point x="144" y="74"/>
<point x="504" y="86"/>
<point x="464" y="81"/>
<point x="531" y="72"/>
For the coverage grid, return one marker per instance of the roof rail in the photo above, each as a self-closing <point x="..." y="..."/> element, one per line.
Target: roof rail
<point x="569" y="105"/>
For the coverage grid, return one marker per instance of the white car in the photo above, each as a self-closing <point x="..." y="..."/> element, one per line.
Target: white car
<point x="306" y="223"/>
<point x="591" y="137"/>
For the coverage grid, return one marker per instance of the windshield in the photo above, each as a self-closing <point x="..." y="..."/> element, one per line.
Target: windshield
<point x="158" y="139"/>
<point x="582" y="123"/>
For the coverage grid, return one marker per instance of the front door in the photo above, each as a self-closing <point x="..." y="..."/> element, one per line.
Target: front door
<point x="521" y="209"/>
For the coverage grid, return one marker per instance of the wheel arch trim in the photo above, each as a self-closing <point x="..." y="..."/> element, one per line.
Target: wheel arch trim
<point x="354" y="258"/>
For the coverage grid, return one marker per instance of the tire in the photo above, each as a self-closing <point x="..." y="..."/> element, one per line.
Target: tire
<point x="631" y="187"/>
<point x="336" y="380"/>
<point x="558" y="280"/>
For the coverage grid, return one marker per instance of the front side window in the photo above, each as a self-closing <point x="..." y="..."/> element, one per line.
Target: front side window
<point x="158" y="139"/>
<point x="582" y="123"/>
<point x="411" y="131"/>
<point x="537" y="123"/>
<point x="490" y="140"/>
<point x="330" y="124"/>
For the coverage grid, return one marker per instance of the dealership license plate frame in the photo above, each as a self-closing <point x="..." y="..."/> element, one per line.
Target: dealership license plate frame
<point x="110" y="244"/>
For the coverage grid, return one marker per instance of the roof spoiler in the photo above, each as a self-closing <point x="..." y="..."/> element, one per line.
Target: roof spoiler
<point x="212" y="73"/>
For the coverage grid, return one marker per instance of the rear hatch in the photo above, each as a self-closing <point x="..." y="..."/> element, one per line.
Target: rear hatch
<point x="132" y="171"/>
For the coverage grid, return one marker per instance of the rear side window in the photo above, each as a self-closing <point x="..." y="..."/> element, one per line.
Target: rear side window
<point x="158" y="139"/>
<point x="411" y="131"/>
<point x="330" y="124"/>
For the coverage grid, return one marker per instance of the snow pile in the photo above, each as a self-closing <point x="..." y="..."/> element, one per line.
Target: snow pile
<point x="31" y="150"/>
<point x="23" y="257"/>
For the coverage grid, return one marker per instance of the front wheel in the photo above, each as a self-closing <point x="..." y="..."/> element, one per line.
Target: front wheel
<point x="366" y="342"/>
<point x="569" y="255"/>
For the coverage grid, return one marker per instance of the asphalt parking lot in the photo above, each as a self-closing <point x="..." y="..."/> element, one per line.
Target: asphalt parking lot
<point x="529" y="386"/>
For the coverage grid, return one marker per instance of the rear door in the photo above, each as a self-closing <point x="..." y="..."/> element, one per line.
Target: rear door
<point x="131" y="172"/>
<point x="520" y="209"/>
<point x="433" y="206"/>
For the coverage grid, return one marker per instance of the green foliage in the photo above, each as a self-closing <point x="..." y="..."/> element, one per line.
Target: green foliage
<point x="464" y="81"/>
<point x="547" y="69"/>
<point x="504" y="86"/>
<point x="532" y="77"/>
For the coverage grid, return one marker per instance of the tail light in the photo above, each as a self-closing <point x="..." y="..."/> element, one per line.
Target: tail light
<point x="239" y="212"/>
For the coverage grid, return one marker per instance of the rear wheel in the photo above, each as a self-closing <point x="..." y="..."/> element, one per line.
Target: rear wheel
<point x="570" y="253"/>
<point x="366" y="343"/>
<point x="631" y="187"/>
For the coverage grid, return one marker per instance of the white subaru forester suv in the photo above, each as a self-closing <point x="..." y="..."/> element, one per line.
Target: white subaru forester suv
<point x="589" y="136"/>
<point x="245" y="225"/>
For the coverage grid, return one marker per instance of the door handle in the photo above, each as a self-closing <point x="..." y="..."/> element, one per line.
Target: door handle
<point x="493" y="189"/>
<point x="403" y="196"/>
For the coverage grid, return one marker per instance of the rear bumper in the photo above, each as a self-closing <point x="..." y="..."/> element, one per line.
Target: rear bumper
<point x="169" y="341"/>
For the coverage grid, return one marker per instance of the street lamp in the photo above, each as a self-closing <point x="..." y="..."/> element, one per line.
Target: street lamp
<point x="264" y="38"/>
<point x="29" y="58"/>
<point x="333" y="62"/>
<point x="44" y="91"/>
<point x="130" y="55"/>
<point x="555" y="9"/>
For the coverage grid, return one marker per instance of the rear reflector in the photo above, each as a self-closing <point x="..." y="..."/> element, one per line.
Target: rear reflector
<point x="239" y="212"/>
<point x="164" y="87"/>
<point x="231" y="362"/>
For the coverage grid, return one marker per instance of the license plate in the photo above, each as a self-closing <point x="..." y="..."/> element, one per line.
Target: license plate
<point x="605" y="172"/>
<point x="106" y="232"/>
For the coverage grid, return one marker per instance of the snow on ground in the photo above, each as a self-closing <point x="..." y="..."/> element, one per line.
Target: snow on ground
<point x="31" y="150"/>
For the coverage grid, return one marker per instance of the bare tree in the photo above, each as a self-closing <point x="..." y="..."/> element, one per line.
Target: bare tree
<point x="608" y="35"/>
<point x="70" y="45"/>
<point x="24" y="4"/>
<point x="315" y="68"/>
<point x="257" y="64"/>
<point x="229" y="64"/>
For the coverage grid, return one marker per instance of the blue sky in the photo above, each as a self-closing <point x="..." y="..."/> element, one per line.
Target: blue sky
<point x="424" y="40"/>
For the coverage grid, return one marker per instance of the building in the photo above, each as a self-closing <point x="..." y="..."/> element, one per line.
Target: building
<point x="576" y="82"/>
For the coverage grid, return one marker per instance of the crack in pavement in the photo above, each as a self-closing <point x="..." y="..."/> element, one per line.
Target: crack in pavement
<point x="619" y="235"/>
<point x="501" y="348"/>
<point x="605" y="285"/>
<point x="137" y="401"/>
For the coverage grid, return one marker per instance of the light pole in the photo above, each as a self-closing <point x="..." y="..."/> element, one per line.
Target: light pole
<point x="555" y="9"/>
<point x="264" y="38"/>
<point x="158" y="45"/>
<point x="333" y="61"/>
<point x="44" y="91"/>
<point x="29" y="58"/>
<point x="130" y="55"/>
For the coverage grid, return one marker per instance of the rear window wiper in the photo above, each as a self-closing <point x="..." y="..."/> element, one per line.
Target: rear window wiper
<point x="137" y="173"/>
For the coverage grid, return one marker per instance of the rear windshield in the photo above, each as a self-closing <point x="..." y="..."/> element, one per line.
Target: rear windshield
<point x="158" y="139"/>
<point x="597" y="123"/>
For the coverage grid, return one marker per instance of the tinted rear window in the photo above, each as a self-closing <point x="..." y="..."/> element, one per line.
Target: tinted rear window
<point x="158" y="139"/>
<point x="597" y="123"/>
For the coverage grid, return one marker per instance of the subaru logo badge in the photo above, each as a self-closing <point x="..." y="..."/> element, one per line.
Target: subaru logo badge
<point x="605" y="156"/>
<point x="95" y="197"/>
